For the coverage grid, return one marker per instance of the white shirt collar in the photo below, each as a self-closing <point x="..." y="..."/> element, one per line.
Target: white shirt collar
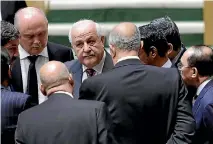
<point x="128" y="57"/>
<point x="168" y="64"/>
<point x="98" y="68"/>
<point x="23" y="54"/>
<point x="65" y="93"/>
<point x="200" y="88"/>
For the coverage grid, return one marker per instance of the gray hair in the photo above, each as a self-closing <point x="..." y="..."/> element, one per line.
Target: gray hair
<point x="85" y="21"/>
<point x="8" y="32"/>
<point x="55" y="80"/>
<point x="29" y="12"/>
<point x="125" y="42"/>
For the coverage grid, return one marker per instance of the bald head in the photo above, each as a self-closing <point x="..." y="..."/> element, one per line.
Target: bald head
<point x="53" y="74"/>
<point x="29" y="14"/>
<point x="125" y="36"/>
<point x="83" y="25"/>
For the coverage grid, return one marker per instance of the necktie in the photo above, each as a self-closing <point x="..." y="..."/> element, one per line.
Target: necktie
<point x="32" y="84"/>
<point x="90" y="72"/>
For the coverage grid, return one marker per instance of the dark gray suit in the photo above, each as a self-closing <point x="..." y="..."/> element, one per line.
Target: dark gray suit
<point x="64" y="120"/>
<point x="75" y="67"/>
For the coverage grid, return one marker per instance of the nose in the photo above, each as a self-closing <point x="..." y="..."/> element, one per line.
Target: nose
<point x="36" y="40"/>
<point x="86" y="48"/>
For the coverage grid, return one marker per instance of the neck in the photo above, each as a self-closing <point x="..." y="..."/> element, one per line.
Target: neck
<point x="160" y="61"/>
<point x="65" y="87"/>
<point x="201" y="80"/>
<point x="173" y="54"/>
<point x="124" y="54"/>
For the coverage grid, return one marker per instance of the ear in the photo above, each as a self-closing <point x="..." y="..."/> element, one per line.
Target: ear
<point x="112" y="51"/>
<point x="170" y="50"/>
<point x="103" y="40"/>
<point x="195" y="72"/>
<point x="153" y="52"/>
<point x="71" y="81"/>
<point x="43" y="90"/>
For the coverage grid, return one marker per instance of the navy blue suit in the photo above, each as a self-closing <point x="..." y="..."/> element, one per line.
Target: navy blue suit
<point x="12" y="104"/>
<point x="75" y="67"/>
<point x="203" y="113"/>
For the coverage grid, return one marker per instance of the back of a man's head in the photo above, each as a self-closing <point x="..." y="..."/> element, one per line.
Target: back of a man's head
<point x="201" y="57"/>
<point x="5" y="59"/>
<point x="125" y="36"/>
<point x="54" y="76"/>
<point x="153" y="38"/>
<point x="169" y="29"/>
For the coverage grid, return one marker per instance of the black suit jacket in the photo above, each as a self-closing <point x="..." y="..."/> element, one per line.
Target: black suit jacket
<point x="148" y="104"/>
<point x="75" y="67"/>
<point x="63" y="120"/>
<point x="9" y="8"/>
<point x="55" y="52"/>
<point x="12" y="104"/>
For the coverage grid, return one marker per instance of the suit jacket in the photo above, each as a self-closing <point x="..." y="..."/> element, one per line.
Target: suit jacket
<point x="9" y="8"/>
<point x="75" y="67"/>
<point x="176" y="60"/>
<point x="64" y="120"/>
<point x="203" y="113"/>
<point x="148" y="104"/>
<point x="55" y="52"/>
<point x="12" y="104"/>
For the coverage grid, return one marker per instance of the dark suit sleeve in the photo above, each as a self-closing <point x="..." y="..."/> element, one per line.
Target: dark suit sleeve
<point x="19" y="136"/>
<point x="28" y="103"/>
<point x="184" y="129"/>
<point x="105" y="129"/>
<point x="86" y="90"/>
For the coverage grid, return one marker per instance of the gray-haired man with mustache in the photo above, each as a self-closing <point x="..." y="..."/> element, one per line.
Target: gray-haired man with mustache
<point x="88" y="43"/>
<point x="34" y="51"/>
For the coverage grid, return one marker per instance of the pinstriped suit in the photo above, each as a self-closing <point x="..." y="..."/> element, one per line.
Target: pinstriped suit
<point x="12" y="104"/>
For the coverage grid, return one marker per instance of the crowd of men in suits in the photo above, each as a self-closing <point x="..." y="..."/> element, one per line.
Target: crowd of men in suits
<point x="149" y="89"/>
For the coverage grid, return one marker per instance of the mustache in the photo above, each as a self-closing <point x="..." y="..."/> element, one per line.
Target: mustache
<point x="37" y="46"/>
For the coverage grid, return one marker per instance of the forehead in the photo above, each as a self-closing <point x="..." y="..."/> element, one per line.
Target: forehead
<point x="81" y="33"/>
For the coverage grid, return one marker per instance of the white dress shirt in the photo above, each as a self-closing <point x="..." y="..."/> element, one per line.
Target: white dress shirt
<point x="98" y="68"/>
<point x="0" y="16"/>
<point x="168" y="64"/>
<point x="128" y="57"/>
<point x="63" y="92"/>
<point x="25" y="62"/>
<point x="200" y="88"/>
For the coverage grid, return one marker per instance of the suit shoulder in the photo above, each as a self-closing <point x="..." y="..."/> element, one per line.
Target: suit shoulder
<point x="72" y="63"/>
<point x="88" y="104"/>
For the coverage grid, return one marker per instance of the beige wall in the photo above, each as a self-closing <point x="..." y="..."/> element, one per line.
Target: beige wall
<point x="208" y="19"/>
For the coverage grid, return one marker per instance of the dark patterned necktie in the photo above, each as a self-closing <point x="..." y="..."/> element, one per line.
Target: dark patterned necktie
<point x="32" y="84"/>
<point x="90" y="72"/>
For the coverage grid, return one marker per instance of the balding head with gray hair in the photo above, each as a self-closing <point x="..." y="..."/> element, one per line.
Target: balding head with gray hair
<point x="125" y="36"/>
<point x="54" y="75"/>
<point x="83" y="23"/>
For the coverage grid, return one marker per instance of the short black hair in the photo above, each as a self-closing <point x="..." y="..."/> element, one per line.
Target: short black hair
<point x="152" y="37"/>
<point x="169" y="29"/>
<point x="8" y="32"/>
<point x="201" y="60"/>
<point x="5" y="59"/>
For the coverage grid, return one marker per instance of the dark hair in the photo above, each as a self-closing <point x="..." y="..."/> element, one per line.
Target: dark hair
<point x="170" y="31"/>
<point x="8" y="32"/>
<point x="153" y="38"/>
<point x="5" y="59"/>
<point x="201" y="60"/>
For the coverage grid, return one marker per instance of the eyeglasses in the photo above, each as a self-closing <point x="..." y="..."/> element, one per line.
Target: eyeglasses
<point x="181" y="66"/>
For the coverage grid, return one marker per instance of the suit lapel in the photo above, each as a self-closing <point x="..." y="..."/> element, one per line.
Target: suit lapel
<point x="17" y="76"/>
<point x="202" y="93"/>
<point x="108" y="63"/>
<point x="77" y="73"/>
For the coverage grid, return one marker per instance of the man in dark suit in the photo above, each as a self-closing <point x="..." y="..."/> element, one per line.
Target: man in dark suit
<point x="155" y="47"/>
<point x="12" y="103"/>
<point x="88" y="43"/>
<point x="34" y="51"/>
<point x="171" y="33"/>
<point x="147" y="104"/>
<point x="62" y="119"/>
<point x="197" y="69"/>
<point x="9" y="8"/>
